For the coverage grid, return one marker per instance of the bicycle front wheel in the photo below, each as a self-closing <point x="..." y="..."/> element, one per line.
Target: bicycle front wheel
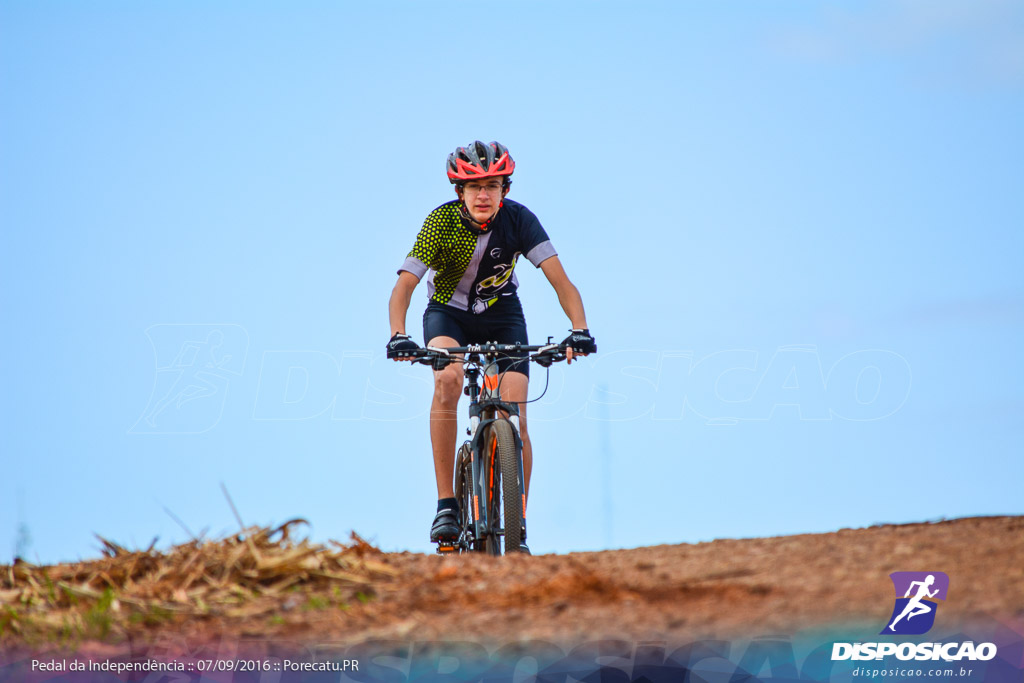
<point x="505" y="507"/>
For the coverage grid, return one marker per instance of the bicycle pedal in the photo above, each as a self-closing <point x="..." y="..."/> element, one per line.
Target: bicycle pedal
<point x="443" y="549"/>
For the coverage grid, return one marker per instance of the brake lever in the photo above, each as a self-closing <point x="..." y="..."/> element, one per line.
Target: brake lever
<point x="549" y="355"/>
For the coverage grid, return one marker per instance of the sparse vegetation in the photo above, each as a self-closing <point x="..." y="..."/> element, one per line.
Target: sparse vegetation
<point x="240" y="577"/>
<point x="98" y="618"/>
<point x="316" y="602"/>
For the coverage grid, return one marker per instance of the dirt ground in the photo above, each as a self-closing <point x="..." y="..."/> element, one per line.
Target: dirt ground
<point x="727" y="587"/>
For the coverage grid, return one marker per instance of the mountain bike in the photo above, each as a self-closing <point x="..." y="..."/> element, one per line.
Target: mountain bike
<point x="489" y="481"/>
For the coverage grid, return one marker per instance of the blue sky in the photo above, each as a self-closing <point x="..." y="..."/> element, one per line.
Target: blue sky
<point x="795" y="227"/>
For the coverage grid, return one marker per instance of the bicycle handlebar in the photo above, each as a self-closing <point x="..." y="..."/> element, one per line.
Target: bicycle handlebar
<point x="545" y="354"/>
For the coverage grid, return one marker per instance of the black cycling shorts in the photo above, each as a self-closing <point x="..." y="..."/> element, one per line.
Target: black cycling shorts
<point x="503" y="323"/>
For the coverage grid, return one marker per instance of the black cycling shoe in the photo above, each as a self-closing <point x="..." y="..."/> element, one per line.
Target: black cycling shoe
<point x="446" y="527"/>
<point x="524" y="549"/>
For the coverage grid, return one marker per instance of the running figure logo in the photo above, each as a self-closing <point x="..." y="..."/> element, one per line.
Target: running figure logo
<point x="914" y="613"/>
<point x="194" y="365"/>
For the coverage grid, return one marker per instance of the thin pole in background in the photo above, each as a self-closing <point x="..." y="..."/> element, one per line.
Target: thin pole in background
<point x="606" y="472"/>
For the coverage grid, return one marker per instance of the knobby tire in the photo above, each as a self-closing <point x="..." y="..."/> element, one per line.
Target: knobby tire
<point x="506" y="496"/>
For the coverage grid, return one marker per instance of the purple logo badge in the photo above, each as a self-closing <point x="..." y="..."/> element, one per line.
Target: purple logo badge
<point x="916" y="595"/>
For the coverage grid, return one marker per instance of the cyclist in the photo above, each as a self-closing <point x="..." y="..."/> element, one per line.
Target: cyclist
<point x="470" y="246"/>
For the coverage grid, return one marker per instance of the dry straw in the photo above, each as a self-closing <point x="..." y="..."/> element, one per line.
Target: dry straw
<point x="241" y="576"/>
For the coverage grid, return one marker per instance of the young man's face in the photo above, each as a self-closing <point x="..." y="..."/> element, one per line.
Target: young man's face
<point x="483" y="198"/>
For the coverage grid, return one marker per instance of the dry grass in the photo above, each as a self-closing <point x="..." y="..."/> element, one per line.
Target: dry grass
<point x="240" y="577"/>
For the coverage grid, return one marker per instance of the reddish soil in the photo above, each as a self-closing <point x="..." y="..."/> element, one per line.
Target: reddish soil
<point x="723" y="588"/>
<point x="679" y="592"/>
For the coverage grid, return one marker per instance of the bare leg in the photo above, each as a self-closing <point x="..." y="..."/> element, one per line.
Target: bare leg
<point x="444" y="420"/>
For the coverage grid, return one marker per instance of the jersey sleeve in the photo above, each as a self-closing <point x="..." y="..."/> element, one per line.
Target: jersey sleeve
<point x="535" y="242"/>
<point x="425" y="253"/>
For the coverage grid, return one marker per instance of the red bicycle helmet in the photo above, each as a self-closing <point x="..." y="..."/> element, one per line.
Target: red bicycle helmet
<point x="478" y="160"/>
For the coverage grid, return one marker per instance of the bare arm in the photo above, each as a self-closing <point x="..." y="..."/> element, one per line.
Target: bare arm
<point x="568" y="295"/>
<point x="401" y="295"/>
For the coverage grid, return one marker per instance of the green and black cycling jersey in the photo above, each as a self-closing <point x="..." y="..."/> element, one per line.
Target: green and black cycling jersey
<point x="472" y="272"/>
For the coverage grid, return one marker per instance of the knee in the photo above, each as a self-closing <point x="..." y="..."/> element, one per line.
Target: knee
<point x="448" y="386"/>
